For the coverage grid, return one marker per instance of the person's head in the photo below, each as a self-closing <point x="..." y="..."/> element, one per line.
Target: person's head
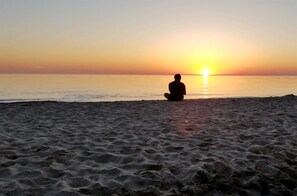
<point x="177" y="77"/>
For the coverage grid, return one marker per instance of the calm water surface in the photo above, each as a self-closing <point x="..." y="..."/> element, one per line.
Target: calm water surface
<point x="93" y="88"/>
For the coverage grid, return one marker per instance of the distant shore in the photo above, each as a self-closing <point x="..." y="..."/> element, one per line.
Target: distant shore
<point x="243" y="146"/>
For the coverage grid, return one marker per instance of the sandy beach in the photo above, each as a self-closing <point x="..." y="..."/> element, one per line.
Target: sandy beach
<point x="237" y="146"/>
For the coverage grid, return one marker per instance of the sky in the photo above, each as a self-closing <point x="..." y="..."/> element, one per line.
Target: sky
<point x="231" y="37"/>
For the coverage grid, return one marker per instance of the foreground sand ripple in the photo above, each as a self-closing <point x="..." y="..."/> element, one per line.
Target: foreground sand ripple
<point x="214" y="146"/>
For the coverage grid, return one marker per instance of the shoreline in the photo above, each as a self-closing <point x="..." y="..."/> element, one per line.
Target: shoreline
<point x="241" y="146"/>
<point x="211" y="98"/>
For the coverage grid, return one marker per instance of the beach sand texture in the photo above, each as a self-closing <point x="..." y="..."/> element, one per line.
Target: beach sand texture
<point x="244" y="146"/>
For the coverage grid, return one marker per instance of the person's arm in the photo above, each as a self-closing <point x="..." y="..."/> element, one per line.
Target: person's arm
<point x="170" y="87"/>
<point x="185" y="90"/>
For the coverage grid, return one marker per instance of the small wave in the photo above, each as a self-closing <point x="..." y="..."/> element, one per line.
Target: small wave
<point x="208" y="94"/>
<point x="23" y="100"/>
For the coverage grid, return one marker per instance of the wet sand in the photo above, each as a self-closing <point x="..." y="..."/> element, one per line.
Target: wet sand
<point x="240" y="146"/>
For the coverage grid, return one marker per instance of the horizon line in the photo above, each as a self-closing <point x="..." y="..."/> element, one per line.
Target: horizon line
<point x="186" y="74"/>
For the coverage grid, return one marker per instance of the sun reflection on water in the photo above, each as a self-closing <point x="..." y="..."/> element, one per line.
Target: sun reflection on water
<point x="205" y="86"/>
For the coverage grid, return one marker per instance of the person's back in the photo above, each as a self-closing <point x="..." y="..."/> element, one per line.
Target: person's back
<point x="177" y="89"/>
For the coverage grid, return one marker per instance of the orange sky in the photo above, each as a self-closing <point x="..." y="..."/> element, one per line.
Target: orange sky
<point x="225" y="37"/>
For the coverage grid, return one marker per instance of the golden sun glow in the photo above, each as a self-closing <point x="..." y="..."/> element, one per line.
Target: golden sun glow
<point x="205" y="72"/>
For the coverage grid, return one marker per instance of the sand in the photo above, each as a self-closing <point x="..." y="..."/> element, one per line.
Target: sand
<point x="244" y="146"/>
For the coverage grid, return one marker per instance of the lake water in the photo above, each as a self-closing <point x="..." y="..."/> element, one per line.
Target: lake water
<point x="94" y="88"/>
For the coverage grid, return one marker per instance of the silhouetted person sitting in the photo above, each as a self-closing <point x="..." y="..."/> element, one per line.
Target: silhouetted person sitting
<point x="177" y="89"/>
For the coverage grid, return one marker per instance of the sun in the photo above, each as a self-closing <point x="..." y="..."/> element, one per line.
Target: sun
<point x="205" y="72"/>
